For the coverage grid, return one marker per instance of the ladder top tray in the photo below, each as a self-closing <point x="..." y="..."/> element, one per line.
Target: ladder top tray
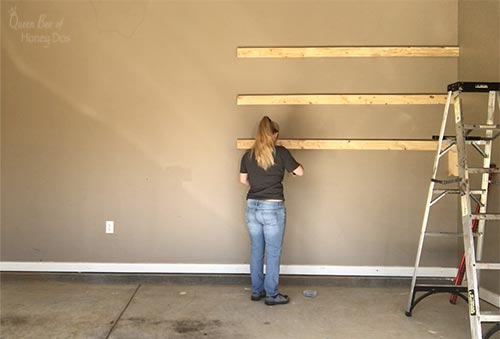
<point x="463" y="86"/>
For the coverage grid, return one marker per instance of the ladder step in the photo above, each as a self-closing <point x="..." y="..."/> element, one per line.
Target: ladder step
<point x="444" y="234"/>
<point x="482" y="127"/>
<point x="441" y="288"/>
<point x="451" y="180"/>
<point x="456" y="191"/>
<point x="488" y="266"/>
<point x="475" y="170"/>
<point x="480" y="142"/>
<point x="486" y="216"/>
<point x="489" y="317"/>
<point x="449" y="191"/>
<point x="468" y="139"/>
<point x="447" y="234"/>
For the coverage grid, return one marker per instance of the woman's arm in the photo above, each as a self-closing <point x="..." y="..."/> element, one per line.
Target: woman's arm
<point x="299" y="171"/>
<point x="244" y="179"/>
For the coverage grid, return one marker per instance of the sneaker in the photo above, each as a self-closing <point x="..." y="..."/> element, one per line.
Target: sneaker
<point x="278" y="299"/>
<point x="257" y="296"/>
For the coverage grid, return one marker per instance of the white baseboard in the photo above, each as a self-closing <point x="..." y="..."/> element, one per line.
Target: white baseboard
<point x="490" y="297"/>
<point x="317" y="270"/>
<point x="371" y="271"/>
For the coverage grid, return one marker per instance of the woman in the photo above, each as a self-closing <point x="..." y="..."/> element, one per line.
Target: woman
<point x="262" y="170"/>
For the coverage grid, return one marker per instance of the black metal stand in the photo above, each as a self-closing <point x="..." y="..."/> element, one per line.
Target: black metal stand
<point x="492" y="331"/>
<point x="434" y="289"/>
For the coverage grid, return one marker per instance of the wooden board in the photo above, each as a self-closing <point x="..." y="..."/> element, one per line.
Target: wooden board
<point x="453" y="162"/>
<point x="350" y="144"/>
<point x="342" y="99"/>
<point x="342" y="52"/>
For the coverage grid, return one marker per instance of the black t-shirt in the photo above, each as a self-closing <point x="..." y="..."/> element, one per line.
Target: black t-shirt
<point x="266" y="184"/>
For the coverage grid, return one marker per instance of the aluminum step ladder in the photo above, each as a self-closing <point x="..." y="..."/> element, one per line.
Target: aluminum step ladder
<point x="473" y="254"/>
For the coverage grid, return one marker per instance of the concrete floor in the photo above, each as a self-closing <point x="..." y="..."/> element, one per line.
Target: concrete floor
<point x="66" y="309"/>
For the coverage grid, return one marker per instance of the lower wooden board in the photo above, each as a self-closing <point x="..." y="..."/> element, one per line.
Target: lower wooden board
<point x="453" y="162"/>
<point x="350" y="144"/>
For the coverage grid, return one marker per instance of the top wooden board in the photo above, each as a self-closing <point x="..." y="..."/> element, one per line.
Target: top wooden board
<point x="346" y="52"/>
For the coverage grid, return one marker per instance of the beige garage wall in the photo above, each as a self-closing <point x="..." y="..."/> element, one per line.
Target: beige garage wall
<point x="479" y="39"/>
<point x="130" y="115"/>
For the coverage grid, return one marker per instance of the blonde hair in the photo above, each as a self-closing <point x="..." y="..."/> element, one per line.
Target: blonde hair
<point x="263" y="147"/>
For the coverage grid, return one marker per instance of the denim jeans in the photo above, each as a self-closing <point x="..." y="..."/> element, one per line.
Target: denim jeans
<point x="266" y="225"/>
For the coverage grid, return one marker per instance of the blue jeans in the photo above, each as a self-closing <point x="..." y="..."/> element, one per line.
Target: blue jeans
<point x="266" y="225"/>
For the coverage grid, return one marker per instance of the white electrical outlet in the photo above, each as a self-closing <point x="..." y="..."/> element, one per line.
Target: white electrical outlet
<point x="110" y="227"/>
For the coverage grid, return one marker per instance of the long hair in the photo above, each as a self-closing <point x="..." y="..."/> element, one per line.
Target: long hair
<point x="263" y="147"/>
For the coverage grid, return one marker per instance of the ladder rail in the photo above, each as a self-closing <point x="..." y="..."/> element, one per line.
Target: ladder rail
<point x="428" y="202"/>
<point x="466" y="213"/>
<point x="486" y="177"/>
